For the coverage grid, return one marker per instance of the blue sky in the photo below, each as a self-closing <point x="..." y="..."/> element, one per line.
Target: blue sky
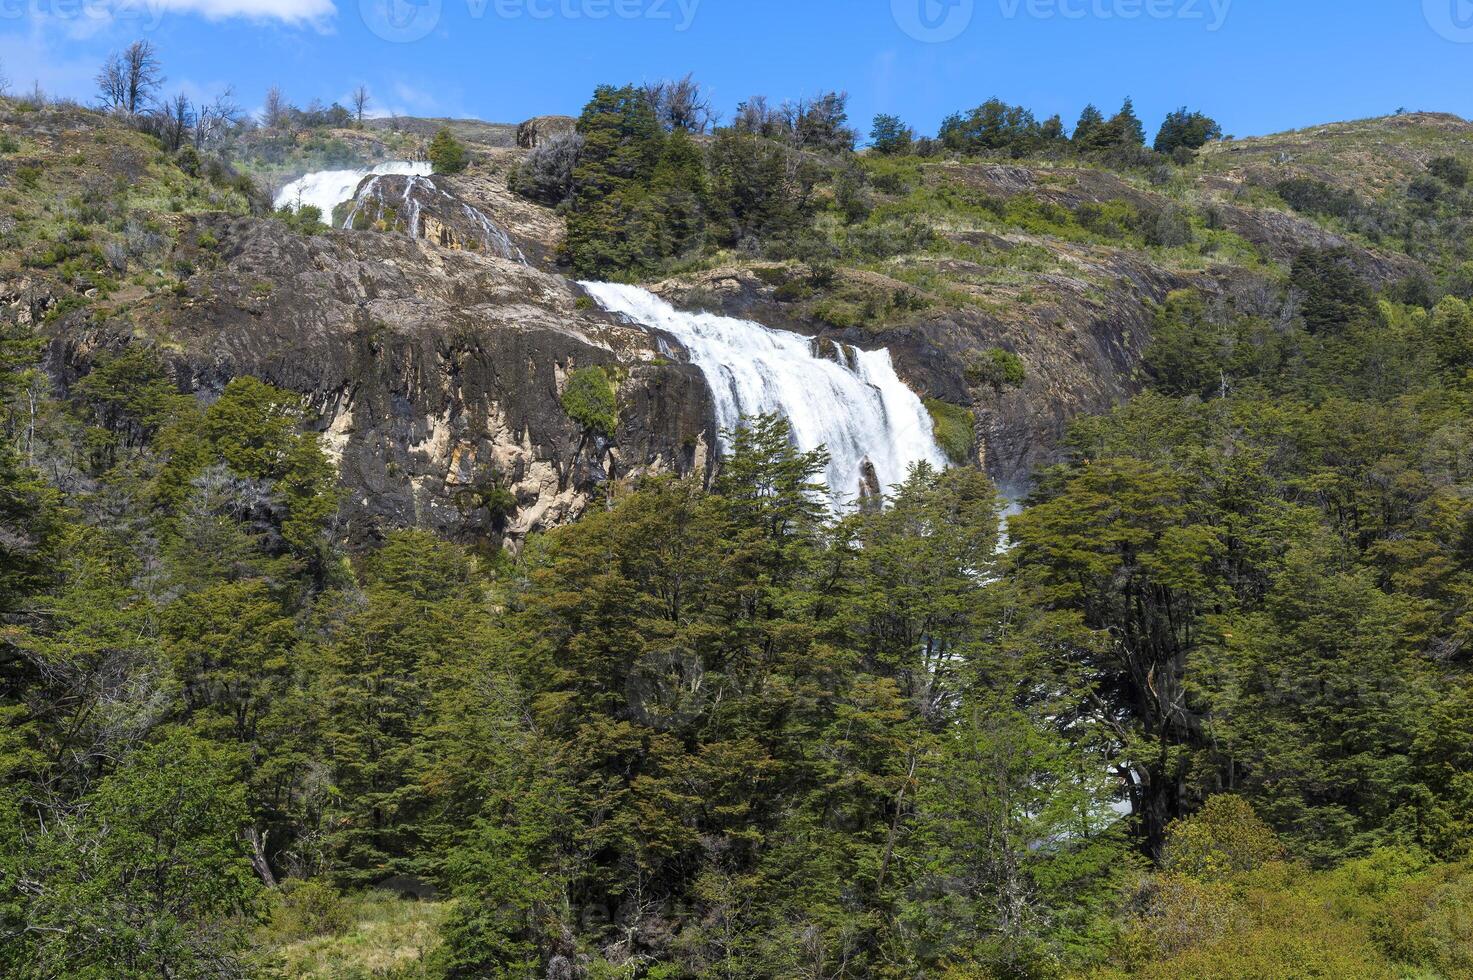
<point x="1257" y="65"/>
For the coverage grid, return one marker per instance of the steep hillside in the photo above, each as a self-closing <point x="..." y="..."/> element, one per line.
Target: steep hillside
<point x="435" y="375"/>
<point x="1022" y="293"/>
<point x="1060" y="265"/>
<point x="375" y="602"/>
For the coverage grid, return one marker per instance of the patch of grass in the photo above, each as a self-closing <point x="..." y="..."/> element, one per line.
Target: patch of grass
<point x="996" y="368"/>
<point x="954" y="428"/>
<point x="361" y="936"/>
<point x="837" y="313"/>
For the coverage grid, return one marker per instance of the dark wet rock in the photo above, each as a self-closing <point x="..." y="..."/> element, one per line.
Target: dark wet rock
<point x="422" y="207"/>
<point x="434" y="374"/>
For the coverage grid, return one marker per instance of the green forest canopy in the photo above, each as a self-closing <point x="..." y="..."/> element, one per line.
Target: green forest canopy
<point x="1210" y="715"/>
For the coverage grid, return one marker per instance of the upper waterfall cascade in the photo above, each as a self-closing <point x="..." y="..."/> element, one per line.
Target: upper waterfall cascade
<point x="410" y="204"/>
<point x="326" y="189"/>
<point x="845" y="399"/>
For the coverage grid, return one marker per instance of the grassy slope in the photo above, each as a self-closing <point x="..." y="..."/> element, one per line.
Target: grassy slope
<point x="378" y="935"/>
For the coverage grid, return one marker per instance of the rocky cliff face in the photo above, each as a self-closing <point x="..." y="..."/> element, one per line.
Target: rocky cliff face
<point x="435" y="360"/>
<point x="436" y="374"/>
<point x="421" y="208"/>
<point x="1077" y="314"/>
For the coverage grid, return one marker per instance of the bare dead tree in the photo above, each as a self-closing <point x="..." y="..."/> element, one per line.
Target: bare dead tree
<point x="682" y="105"/>
<point x="217" y="119"/>
<point x="4" y="80"/>
<point x="177" y="121"/>
<point x="273" y="114"/>
<point x="129" y="82"/>
<point x="361" y="101"/>
<point x="143" y="74"/>
<point x="757" y="117"/>
<point x="112" y="88"/>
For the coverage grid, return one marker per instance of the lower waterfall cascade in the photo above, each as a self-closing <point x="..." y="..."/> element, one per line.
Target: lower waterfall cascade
<point x="848" y="400"/>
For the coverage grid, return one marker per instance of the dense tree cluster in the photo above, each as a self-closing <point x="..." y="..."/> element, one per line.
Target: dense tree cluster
<point x="721" y="732"/>
<point x="646" y="188"/>
<point x="1208" y="712"/>
<point x="640" y="192"/>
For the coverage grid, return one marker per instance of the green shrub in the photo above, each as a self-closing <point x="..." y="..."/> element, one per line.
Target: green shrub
<point x="307" y="219"/>
<point x="885" y="239"/>
<point x="996" y="368"/>
<point x="446" y="153"/>
<point x="1310" y="196"/>
<point x="307" y="908"/>
<point x="953" y="426"/>
<point x="1450" y="170"/>
<point x="188" y="160"/>
<point x="792" y="291"/>
<point x="589" y="399"/>
<point x="1224" y="837"/>
<point x="837" y="314"/>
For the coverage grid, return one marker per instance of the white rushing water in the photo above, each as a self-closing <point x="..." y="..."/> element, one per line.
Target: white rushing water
<point x="852" y="403"/>
<point x="326" y="189"/>
<point x="409" y="204"/>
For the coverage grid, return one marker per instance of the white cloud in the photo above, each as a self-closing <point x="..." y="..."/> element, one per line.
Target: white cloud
<point x="314" y="12"/>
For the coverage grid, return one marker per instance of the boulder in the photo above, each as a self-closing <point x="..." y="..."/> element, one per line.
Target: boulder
<point x="535" y="132"/>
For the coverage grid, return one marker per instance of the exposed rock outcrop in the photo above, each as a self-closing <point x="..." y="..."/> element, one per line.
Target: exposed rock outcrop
<point x="435" y="374"/>
<point x="421" y="208"/>
<point x="534" y="132"/>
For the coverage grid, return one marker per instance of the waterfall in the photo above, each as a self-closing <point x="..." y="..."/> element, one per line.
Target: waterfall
<point x="409" y="206"/>
<point x="326" y="189"/>
<point x="497" y="238"/>
<point x="851" y="402"/>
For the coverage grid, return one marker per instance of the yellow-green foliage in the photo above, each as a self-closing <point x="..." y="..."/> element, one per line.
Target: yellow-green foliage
<point x="371" y="935"/>
<point x="953" y="428"/>
<point x="1228" y="905"/>
<point x="1226" y="836"/>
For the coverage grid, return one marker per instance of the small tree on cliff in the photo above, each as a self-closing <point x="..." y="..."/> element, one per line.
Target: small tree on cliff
<point x="446" y="153"/>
